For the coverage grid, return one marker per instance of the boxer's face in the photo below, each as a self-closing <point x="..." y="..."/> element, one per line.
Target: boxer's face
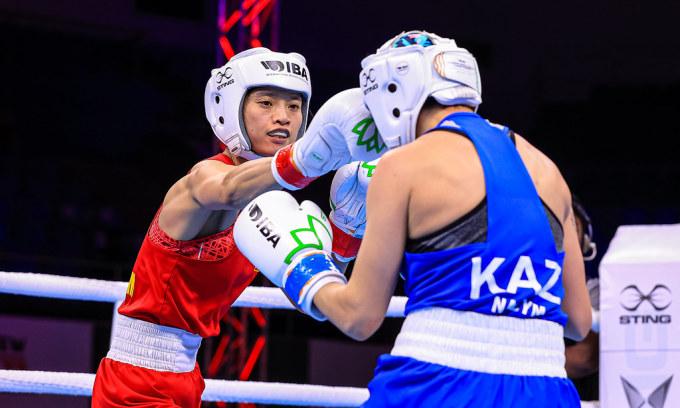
<point x="272" y="118"/>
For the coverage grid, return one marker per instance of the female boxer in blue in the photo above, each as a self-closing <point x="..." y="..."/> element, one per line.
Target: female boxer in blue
<point x="480" y="225"/>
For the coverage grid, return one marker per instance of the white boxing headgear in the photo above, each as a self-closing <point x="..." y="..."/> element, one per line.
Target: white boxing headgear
<point x="227" y="88"/>
<point x="408" y="69"/>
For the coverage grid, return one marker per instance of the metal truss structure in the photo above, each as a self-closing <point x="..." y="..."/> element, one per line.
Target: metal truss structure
<point x="241" y="348"/>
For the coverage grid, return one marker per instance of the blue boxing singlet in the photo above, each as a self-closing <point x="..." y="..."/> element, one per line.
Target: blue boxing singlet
<point x="517" y="271"/>
<point x="484" y="326"/>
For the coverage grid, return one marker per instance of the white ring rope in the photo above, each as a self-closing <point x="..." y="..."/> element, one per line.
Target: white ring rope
<point x="78" y="384"/>
<point x="66" y="287"/>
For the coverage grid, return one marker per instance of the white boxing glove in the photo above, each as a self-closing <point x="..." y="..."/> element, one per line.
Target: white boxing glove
<point x="341" y="131"/>
<point x="364" y="141"/>
<point x="290" y="244"/>
<point x="348" y="207"/>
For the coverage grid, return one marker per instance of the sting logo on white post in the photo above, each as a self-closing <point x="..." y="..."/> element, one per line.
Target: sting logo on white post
<point x="632" y="298"/>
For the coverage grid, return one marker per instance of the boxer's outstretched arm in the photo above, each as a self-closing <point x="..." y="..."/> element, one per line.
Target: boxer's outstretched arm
<point x="212" y="186"/>
<point x="218" y="186"/>
<point x="359" y="307"/>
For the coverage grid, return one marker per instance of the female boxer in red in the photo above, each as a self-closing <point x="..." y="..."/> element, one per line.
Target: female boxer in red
<point x="188" y="271"/>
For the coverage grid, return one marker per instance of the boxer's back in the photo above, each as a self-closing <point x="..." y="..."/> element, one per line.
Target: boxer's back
<point x="450" y="183"/>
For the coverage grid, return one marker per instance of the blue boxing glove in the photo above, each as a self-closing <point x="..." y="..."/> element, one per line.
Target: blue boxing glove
<point x="290" y="244"/>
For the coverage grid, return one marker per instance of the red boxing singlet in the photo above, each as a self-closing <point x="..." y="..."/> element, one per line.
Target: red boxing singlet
<point x="189" y="285"/>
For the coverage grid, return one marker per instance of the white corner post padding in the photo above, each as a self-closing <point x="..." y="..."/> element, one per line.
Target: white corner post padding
<point x="640" y="318"/>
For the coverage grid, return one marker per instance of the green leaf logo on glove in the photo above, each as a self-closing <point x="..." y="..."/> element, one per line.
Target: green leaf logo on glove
<point x="370" y="168"/>
<point x="373" y="141"/>
<point x="307" y="237"/>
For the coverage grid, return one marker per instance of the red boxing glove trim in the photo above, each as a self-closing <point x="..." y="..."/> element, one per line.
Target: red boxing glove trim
<point x="287" y="171"/>
<point x="344" y="244"/>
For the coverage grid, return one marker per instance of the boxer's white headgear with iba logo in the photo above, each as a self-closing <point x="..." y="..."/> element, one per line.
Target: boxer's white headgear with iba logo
<point x="227" y="88"/>
<point x="408" y="69"/>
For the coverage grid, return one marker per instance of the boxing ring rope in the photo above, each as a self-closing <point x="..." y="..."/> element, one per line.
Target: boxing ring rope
<point x="80" y="384"/>
<point x="95" y="290"/>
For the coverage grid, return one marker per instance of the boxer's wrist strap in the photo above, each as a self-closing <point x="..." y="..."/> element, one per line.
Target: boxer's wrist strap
<point x="309" y="274"/>
<point x="286" y="173"/>
<point x="345" y="246"/>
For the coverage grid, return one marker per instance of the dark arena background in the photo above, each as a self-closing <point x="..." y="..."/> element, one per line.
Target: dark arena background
<point x="102" y="110"/>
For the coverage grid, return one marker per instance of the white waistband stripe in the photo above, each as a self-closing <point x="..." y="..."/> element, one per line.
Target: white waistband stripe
<point x="153" y="346"/>
<point x="483" y="343"/>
